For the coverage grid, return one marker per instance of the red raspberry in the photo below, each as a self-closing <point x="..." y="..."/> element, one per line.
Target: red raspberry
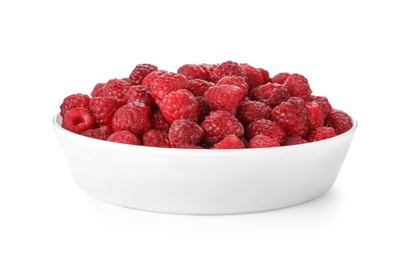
<point x="139" y="93"/>
<point x="298" y="86"/>
<point x="254" y="76"/>
<point x="294" y="139"/>
<point x="103" y="109"/>
<point x="209" y="70"/>
<point x="133" y="117"/>
<point x="140" y="72"/>
<point x="180" y="104"/>
<point x="127" y="80"/>
<point x="72" y="101"/>
<point x="237" y="81"/>
<point x="185" y="131"/>
<point x="124" y="137"/>
<point x="280" y="77"/>
<point x="316" y="117"/>
<point x="218" y="124"/>
<point x="199" y="86"/>
<point x="192" y="71"/>
<point x="97" y="90"/>
<point x="292" y="116"/>
<point x="265" y="75"/>
<point x="271" y="93"/>
<point x="167" y="83"/>
<point x="228" y="68"/>
<point x="262" y="141"/>
<point x="229" y="142"/>
<point x="78" y="120"/>
<point x="156" y="138"/>
<point x="249" y="111"/>
<point x="267" y="128"/>
<point x="204" y="108"/>
<point x="189" y="146"/>
<point x="224" y="97"/>
<point x="323" y="102"/>
<point x="340" y="121"/>
<point x="101" y="133"/>
<point x="159" y="122"/>
<point x="116" y="88"/>
<point x="320" y="133"/>
<point x="150" y="78"/>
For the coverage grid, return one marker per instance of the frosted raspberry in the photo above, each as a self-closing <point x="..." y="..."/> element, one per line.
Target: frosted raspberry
<point x="116" y="88"/>
<point x="224" y="97"/>
<point x="139" y="93"/>
<point x="262" y="141"/>
<point x="254" y="76"/>
<point x="156" y="138"/>
<point x="78" y="120"/>
<point x="271" y="93"/>
<point x="103" y="109"/>
<point x="236" y="81"/>
<point x="298" y="86"/>
<point x="159" y="122"/>
<point x="185" y="131"/>
<point x="139" y="73"/>
<point x="199" y="86"/>
<point x="101" y="133"/>
<point x="150" y="78"/>
<point x="229" y="142"/>
<point x="323" y="102"/>
<point x="167" y="83"/>
<point x="267" y="128"/>
<point x="74" y="100"/>
<point x="228" y="68"/>
<point x="265" y="75"/>
<point x="192" y="71"/>
<point x="124" y="137"/>
<point x="97" y="90"/>
<point x="316" y="117"/>
<point x="280" y="77"/>
<point x="133" y="117"/>
<point x="218" y="124"/>
<point x="180" y="104"/>
<point x="340" y="121"/>
<point x="294" y="139"/>
<point x="249" y="111"/>
<point x="320" y="133"/>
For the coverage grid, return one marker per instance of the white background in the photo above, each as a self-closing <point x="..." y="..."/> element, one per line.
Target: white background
<point x="351" y="51"/>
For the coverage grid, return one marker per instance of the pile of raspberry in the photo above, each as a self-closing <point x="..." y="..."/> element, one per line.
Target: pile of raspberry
<point x="228" y="105"/>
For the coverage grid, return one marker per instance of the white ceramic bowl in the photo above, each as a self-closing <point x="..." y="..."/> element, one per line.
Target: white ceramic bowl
<point x="194" y="181"/>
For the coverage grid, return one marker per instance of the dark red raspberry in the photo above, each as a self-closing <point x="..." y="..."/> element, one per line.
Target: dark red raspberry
<point x="139" y="73"/>
<point x="316" y="117"/>
<point x="199" y="86"/>
<point x="267" y="128"/>
<point x="228" y="68"/>
<point x="292" y="116"/>
<point x="192" y="71"/>
<point x="340" y="121"/>
<point x="271" y="93"/>
<point x="298" y="86"/>
<point x="74" y="100"/>
<point x="262" y="141"/>
<point x="185" y="131"/>
<point x="133" y="117"/>
<point x="167" y="83"/>
<point x="78" y="120"/>
<point x="254" y="76"/>
<point x="320" y="133"/>
<point x="204" y="108"/>
<point x="103" y="109"/>
<point x="323" y="102"/>
<point x="156" y="138"/>
<point x="209" y="70"/>
<point x="124" y="137"/>
<point x="189" y="146"/>
<point x="265" y="75"/>
<point x="97" y="90"/>
<point x="127" y="80"/>
<point x="218" y="124"/>
<point x="150" y="78"/>
<point x="280" y="77"/>
<point x="224" y="97"/>
<point x="237" y="81"/>
<point x="180" y="104"/>
<point x="250" y="110"/>
<point x="101" y="133"/>
<point x="294" y="139"/>
<point x="116" y="88"/>
<point x="139" y="93"/>
<point x="229" y="142"/>
<point x="159" y="122"/>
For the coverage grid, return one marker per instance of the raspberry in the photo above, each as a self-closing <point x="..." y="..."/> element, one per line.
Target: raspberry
<point x="229" y="142"/>
<point x="103" y="109"/>
<point x="127" y="80"/>
<point x="316" y="117"/>
<point x="133" y="117"/>
<point x="262" y="141"/>
<point x="280" y="77"/>
<point x="292" y="116"/>
<point x="156" y="138"/>
<point x="180" y="104"/>
<point x="224" y="97"/>
<point x="218" y="124"/>
<point x="150" y="78"/>
<point x="320" y="133"/>
<point x="124" y="137"/>
<point x="254" y="76"/>
<point x="323" y="102"/>
<point x="271" y="93"/>
<point x="167" y="83"/>
<point x="267" y="128"/>
<point x="294" y="139"/>
<point x="228" y="68"/>
<point x="204" y="108"/>
<point x="249" y="111"/>
<point x="116" y="88"/>
<point x="237" y="81"/>
<point x="298" y="86"/>
<point x="74" y="100"/>
<point x="139" y="93"/>
<point x="184" y="131"/>
<point x="265" y="75"/>
<point x="199" y="86"/>
<point x="159" y="122"/>
<point x="101" y="133"/>
<point x="140" y="72"/>
<point x="97" y="90"/>
<point x="192" y="71"/>
<point x="340" y="121"/>
<point x="78" y="120"/>
<point x="209" y="70"/>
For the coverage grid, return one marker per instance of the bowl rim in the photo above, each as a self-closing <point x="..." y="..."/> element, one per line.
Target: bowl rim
<point x="57" y="124"/>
